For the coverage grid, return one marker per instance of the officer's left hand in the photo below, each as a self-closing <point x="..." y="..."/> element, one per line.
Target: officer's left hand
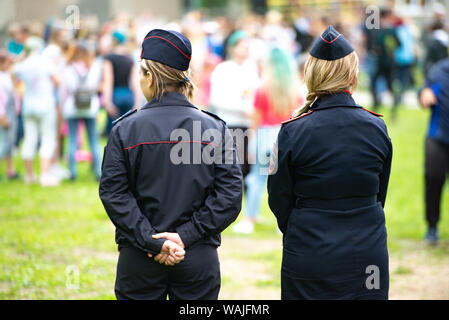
<point x="164" y="258"/>
<point x="171" y="254"/>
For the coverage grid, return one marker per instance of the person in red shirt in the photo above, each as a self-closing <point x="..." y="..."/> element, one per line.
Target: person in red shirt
<point x="276" y="98"/>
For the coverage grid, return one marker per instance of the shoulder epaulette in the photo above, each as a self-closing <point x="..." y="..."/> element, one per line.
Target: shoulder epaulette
<point x="213" y="115"/>
<point x="130" y="112"/>
<point x="372" y="112"/>
<point x="298" y="117"/>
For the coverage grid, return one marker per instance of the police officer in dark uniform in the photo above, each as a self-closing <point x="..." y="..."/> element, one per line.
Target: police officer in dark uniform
<point x="328" y="185"/>
<point x="170" y="182"/>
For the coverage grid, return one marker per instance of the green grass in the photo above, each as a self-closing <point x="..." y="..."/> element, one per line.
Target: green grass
<point x="45" y="232"/>
<point x="48" y="236"/>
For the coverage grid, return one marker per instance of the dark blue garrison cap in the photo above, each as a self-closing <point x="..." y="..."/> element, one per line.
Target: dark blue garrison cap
<point x="331" y="45"/>
<point x="167" y="47"/>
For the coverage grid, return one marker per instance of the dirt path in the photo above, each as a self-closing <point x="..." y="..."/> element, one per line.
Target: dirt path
<point x="250" y="269"/>
<point x="419" y="272"/>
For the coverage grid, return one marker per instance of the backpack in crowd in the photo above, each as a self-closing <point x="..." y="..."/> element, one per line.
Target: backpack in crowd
<point x="83" y="94"/>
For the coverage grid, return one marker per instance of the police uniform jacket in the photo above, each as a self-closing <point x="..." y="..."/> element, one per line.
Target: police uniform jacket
<point x="145" y="191"/>
<point x="327" y="190"/>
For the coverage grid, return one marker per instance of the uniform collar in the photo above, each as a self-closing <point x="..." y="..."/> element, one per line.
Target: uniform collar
<point x="171" y="98"/>
<point x="339" y="99"/>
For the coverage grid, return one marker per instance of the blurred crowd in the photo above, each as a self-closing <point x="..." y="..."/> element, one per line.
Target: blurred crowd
<point x="58" y="83"/>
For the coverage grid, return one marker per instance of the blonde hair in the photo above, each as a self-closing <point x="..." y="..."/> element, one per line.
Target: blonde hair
<point x="165" y="77"/>
<point x="327" y="77"/>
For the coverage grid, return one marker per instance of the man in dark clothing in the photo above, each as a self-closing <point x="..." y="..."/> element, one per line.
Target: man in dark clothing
<point x="436" y="44"/>
<point x="383" y="43"/>
<point x="435" y="95"/>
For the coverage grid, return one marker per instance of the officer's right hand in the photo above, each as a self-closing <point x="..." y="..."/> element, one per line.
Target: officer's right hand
<point x="427" y="98"/>
<point x="173" y="236"/>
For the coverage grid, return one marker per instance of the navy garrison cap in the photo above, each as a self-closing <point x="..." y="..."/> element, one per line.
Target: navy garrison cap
<point x="331" y="45"/>
<point x="167" y="47"/>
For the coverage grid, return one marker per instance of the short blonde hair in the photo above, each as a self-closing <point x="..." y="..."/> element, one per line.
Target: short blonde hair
<point x="326" y="77"/>
<point x="165" y="76"/>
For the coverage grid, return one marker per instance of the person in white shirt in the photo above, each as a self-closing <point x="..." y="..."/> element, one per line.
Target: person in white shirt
<point x="233" y="84"/>
<point x="39" y="110"/>
<point x="55" y="52"/>
<point x="8" y="115"/>
<point x="80" y="102"/>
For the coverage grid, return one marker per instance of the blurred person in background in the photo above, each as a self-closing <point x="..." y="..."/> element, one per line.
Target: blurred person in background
<point x="307" y="28"/>
<point x="233" y="84"/>
<point x="434" y="36"/>
<point x="39" y="110"/>
<point x="385" y="42"/>
<point x="216" y="32"/>
<point x="435" y="97"/>
<point x="277" y="34"/>
<point x="56" y="47"/>
<point x="274" y="102"/>
<point x="194" y="28"/>
<point x="202" y="98"/>
<point x="369" y="44"/>
<point x="17" y="36"/>
<point x="8" y="116"/>
<point x="231" y="28"/>
<point x="439" y="13"/>
<point x="79" y="87"/>
<point x="120" y="80"/>
<point x="404" y="58"/>
<point x="55" y="52"/>
<point x="436" y="44"/>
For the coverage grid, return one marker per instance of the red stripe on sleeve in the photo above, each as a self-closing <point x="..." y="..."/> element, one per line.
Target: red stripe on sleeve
<point x="172" y="142"/>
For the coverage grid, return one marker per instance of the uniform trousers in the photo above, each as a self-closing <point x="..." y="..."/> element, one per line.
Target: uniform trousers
<point x="197" y="277"/>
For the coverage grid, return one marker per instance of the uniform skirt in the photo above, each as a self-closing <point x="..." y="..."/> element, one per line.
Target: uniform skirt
<point x="335" y="254"/>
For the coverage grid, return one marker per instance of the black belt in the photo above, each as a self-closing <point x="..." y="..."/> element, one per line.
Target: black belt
<point x="336" y="204"/>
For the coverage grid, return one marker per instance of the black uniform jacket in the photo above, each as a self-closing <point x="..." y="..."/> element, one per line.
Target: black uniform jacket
<point x="337" y="150"/>
<point x="327" y="191"/>
<point x="155" y="180"/>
